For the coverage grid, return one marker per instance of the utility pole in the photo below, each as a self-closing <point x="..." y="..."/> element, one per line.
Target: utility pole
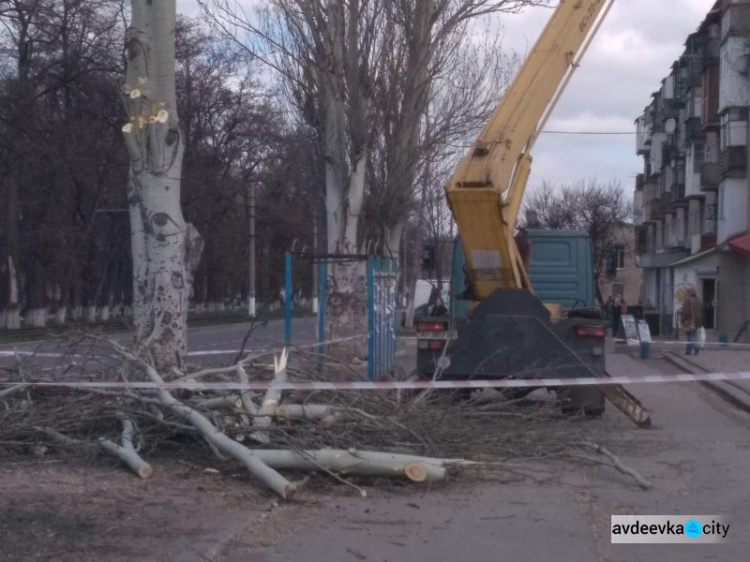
<point x="252" y="271"/>
<point x="315" y="258"/>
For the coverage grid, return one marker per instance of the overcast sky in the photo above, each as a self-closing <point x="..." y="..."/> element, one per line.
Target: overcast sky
<point x="632" y="53"/>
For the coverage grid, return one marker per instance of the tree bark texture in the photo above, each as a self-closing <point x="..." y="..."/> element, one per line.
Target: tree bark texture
<point x="165" y="248"/>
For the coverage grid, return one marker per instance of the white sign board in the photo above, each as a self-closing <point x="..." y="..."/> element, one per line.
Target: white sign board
<point x="630" y="329"/>
<point x="644" y="331"/>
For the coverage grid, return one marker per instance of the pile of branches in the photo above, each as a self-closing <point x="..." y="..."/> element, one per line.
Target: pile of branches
<point x="413" y="435"/>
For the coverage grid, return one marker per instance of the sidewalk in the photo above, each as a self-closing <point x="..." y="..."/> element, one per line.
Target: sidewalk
<point x="726" y="360"/>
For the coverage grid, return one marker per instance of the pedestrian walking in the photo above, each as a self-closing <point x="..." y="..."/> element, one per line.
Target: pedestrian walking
<point x="691" y="320"/>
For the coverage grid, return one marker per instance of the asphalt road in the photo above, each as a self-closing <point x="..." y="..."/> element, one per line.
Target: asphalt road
<point x="697" y="455"/>
<point x="206" y="344"/>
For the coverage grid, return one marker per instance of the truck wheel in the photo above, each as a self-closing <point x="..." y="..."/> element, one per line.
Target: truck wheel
<point x="597" y="412"/>
<point x="517" y="393"/>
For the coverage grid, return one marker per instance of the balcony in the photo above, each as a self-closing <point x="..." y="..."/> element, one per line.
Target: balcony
<point x="641" y="240"/>
<point x="710" y="176"/>
<point x="694" y="129"/>
<point x="711" y="51"/>
<point x="733" y="161"/>
<point x="660" y="207"/>
<point x="677" y="195"/>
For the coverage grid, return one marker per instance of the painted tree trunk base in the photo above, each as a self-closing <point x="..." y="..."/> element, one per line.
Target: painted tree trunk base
<point x="105" y="313"/>
<point x="90" y="314"/>
<point x="216" y="307"/>
<point x="12" y="319"/>
<point x="36" y="318"/>
<point x="61" y="315"/>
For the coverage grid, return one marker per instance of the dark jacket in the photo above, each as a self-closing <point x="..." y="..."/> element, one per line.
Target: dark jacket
<point x="691" y="314"/>
<point x="439" y="310"/>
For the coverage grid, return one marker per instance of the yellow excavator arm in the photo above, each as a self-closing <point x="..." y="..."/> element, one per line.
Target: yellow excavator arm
<point x="487" y="187"/>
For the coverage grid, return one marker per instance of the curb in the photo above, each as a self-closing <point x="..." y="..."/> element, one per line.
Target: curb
<point x="727" y="391"/>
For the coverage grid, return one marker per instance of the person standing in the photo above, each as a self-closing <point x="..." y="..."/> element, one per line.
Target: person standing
<point x="609" y="307"/>
<point x="439" y="308"/>
<point x="616" y="316"/>
<point x="691" y="320"/>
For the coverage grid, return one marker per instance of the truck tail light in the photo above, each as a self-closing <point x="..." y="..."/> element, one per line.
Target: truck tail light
<point x="431" y="326"/>
<point x="591" y="331"/>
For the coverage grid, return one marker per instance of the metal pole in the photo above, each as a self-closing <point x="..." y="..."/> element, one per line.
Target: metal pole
<point x="322" y="264"/>
<point x="371" y="359"/>
<point x="252" y="273"/>
<point x="315" y="267"/>
<point x="288" y="298"/>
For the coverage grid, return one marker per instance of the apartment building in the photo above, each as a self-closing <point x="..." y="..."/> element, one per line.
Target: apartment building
<point x="622" y="277"/>
<point x="692" y="209"/>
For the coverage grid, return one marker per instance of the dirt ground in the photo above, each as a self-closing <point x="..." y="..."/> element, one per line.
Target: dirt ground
<point x="70" y="510"/>
<point x="66" y="509"/>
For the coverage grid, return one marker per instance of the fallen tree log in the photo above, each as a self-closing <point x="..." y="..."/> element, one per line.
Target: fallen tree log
<point x="126" y="452"/>
<point x="353" y="462"/>
<point x="304" y="411"/>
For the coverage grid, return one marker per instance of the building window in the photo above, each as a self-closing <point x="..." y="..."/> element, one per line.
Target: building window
<point x="620" y="257"/>
<point x="699" y="156"/>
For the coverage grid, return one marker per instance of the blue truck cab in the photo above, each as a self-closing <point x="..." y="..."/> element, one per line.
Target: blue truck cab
<point x="511" y="333"/>
<point x="560" y="268"/>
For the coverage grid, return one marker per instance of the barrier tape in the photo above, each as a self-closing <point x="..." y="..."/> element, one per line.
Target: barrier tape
<point x="397" y="385"/>
<point x="684" y="343"/>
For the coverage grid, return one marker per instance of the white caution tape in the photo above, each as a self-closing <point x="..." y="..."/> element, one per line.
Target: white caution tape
<point x="398" y="385"/>
<point x="711" y="344"/>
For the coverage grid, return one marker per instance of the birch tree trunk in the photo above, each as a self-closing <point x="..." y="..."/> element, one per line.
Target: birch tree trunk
<point x="165" y="248"/>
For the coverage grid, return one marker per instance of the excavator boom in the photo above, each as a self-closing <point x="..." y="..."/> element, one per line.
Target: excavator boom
<point x="487" y="188"/>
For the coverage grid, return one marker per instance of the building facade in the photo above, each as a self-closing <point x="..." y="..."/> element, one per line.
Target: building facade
<point x="622" y="277"/>
<point x="692" y="208"/>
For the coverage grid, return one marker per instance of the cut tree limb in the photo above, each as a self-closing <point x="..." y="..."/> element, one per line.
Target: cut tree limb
<point x="12" y="390"/>
<point x="263" y="417"/>
<point x="362" y="463"/>
<point x="246" y="397"/>
<point x="617" y="463"/>
<point x="304" y="411"/>
<point x="126" y="451"/>
<point x="222" y="442"/>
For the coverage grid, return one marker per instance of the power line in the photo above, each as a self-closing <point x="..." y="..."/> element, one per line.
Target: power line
<point x="590" y="132"/>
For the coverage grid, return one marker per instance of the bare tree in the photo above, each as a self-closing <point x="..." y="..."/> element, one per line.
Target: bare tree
<point x="596" y="207"/>
<point x="165" y="248"/>
<point x="434" y="61"/>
